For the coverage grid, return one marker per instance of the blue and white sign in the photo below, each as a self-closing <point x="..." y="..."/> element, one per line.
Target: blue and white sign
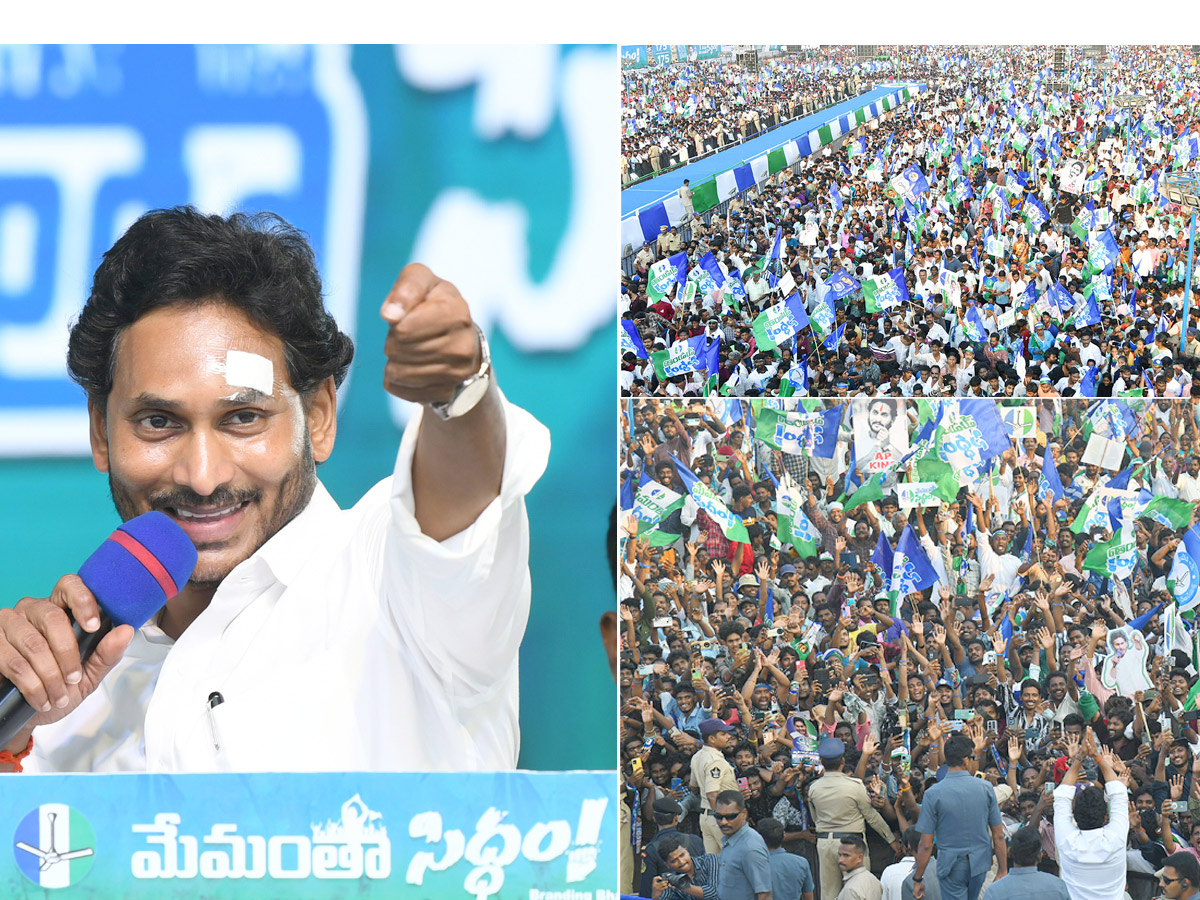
<point x="91" y="137"/>
<point x="315" y="836"/>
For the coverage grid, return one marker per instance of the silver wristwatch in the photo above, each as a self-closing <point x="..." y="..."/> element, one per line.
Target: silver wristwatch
<point x="471" y="391"/>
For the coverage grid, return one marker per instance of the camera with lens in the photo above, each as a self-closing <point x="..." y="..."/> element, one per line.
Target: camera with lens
<point x="677" y="880"/>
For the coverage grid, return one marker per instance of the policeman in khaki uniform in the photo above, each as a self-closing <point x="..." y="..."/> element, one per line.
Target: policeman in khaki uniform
<point x="711" y="774"/>
<point x="839" y="806"/>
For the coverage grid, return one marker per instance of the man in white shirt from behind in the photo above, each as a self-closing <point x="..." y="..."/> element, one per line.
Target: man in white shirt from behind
<point x="898" y="874"/>
<point x="1091" y="828"/>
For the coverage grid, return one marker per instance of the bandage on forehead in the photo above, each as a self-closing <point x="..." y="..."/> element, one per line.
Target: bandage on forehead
<point x="248" y="370"/>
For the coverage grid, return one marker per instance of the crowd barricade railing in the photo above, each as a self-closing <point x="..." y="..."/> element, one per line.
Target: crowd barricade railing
<point x="629" y="252"/>
<point x="733" y="142"/>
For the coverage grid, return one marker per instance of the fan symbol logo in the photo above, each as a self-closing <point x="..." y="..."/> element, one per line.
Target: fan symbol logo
<point x="1185" y="576"/>
<point x="54" y="846"/>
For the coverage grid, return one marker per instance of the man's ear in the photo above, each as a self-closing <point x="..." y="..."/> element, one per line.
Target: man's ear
<point x="98" y="434"/>
<point x="320" y="410"/>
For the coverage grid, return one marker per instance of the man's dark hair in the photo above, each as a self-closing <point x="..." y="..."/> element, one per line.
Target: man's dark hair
<point x="959" y="749"/>
<point x="677" y="655"/>
<point x="258" y="264"/>
<point x="670" y="844"/>
<point x="730" y="798"/>
<point x="855" y="840"/>
<point x="911" y="838"/>
<point x="1142" y="789"/>
<point x="1025" y="847"/>
<point x="729" y="628"/>
<point x="1091" y="808"/>
<point x="771" y="831"/>
<point x="1185" y="866"/>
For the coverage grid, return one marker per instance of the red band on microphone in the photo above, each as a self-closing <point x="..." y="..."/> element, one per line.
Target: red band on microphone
<point x="147" y="559"/>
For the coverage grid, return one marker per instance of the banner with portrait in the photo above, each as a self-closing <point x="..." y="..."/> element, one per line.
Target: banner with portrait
<point x="880" y="428"/>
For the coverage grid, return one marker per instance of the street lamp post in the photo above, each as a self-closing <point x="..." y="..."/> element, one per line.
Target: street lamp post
<point x="1184" y="189"/>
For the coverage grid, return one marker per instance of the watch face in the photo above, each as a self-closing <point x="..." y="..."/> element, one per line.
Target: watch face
<point x="467" y="397"/>
<point x="54" y="846"/>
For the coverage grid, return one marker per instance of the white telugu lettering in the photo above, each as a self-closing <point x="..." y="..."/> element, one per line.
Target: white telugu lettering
<point x="354" y="847"/>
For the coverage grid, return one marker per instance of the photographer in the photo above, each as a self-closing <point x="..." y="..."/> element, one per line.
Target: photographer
<point x="689" y="876"/>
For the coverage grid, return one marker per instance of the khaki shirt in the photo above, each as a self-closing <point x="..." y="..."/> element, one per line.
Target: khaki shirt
<point x="860" y="885"/>
<point x="838" y="802"/>
<point x="711" y="773"/>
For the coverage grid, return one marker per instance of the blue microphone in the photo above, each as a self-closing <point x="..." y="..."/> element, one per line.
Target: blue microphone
<point x="132" y="575"/>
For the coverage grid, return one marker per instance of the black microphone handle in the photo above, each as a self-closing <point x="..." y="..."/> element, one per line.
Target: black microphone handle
<point x="15" y="711"/>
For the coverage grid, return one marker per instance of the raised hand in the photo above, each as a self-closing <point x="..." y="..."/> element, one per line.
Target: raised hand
<point x="763" y="570"/>
<point x="870" y="744"/>
<point x="1073" y="744"/>
<point x="629" y="524"/>
<point x="1014" y="749"/>
<point x="1177" y="787"/>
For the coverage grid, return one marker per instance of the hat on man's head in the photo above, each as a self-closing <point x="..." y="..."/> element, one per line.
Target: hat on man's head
<point x="831" y="748"/>
<point x="665" y="806"/>
<point x="747" y="581"/>
<point x="712" y="726"/>
<point x="787" y="569"/>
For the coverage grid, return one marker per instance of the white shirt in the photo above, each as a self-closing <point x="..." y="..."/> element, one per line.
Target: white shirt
<point x="1090" y="353"/>
<point x="1002" y="568"/>
<point x="350" y="641"/>
<point x="1189" y="487"/>
<point x="1092" y="863"/>
<point x="893" y="878"/>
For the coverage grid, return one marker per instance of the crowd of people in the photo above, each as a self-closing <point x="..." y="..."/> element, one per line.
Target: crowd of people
<point x="835" y="613"/>
<point x="675" y="114"/>
<point x="996" y="236"/>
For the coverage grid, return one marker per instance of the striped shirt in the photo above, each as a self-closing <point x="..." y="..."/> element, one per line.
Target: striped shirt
<point x="705" y="877"/>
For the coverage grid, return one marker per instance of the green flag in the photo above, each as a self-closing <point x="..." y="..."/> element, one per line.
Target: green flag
<point x="1189" y="702"/>
<point x="794" y="526"/>
<point x="929" y="466"/>
<point x="678" y="359"/>
<point x="765" y="422"/>
<point x="704" y="196"/>
<point x="1093" y="513"/>
<point x="870" y="491"/>
<point x="731" y="525"/>
<point x="661" y="276"/>
<point x="1176" y="513"/>
<point x="1115" y="558"/>
<point x="652" y="503"/>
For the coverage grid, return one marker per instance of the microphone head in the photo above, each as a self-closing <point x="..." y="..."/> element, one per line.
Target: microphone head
<point x="141" y="566"/>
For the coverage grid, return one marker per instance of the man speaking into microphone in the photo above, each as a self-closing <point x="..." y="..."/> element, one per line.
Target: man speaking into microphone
<point x="309" y="638"/>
